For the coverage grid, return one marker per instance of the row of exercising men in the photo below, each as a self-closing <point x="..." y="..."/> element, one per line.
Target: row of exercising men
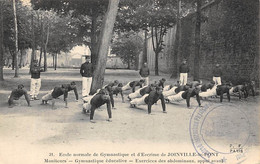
<point x="147" y="95"/>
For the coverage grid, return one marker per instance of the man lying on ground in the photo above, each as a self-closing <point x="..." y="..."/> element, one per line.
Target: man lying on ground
<point x="194" y="83"/>
<point x="118" y="89"/>
<point x="207" y="86"/>
<point x="168" y="87"/>
<point x="185" y="95"/>
<point x="150" y="99"/>
<point x="133" y="84"/>
<point x="142" y="91"/>
<point x="97" y="100"/>
<point x="222" y="89"/>
<point x="176" y="89"/>
<point x="16" y="94"/>
<point x="58" y="91"/>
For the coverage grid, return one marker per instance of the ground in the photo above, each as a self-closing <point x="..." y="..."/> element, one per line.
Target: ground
<point x="32" y="134"/>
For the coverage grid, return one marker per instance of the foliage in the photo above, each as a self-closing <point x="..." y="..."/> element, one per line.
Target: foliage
<point x="128" y="48"/>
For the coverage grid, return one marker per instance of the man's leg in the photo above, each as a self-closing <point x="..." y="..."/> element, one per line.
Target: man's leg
<point x="84" y="82"/>
<point x="138" y="101"/>
<point x="126" y="87"/>
<point x="147" y="80"/>
<point x="175" y="98"/>
<point x="181" y="79"/>
<point x="32" y="87"/>
<point x="92" y="112"/>
<point x="218" y="80"/>
<point x="10" y="101"/>
<point x="52" y="104"/>
<point x="89" y="81"/>
<point x="169" y="92"/>
<point x="86" y="107"/>
<point x="37" y="88"/>
<point x="185" y="78"/>
<point x="215" y="80"/>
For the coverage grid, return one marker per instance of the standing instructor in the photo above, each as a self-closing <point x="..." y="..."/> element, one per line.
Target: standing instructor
<point x="184" y="70"/>
<point x="86" y="71"/>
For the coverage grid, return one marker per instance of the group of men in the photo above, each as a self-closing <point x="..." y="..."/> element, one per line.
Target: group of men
<point x="147" y="94"/>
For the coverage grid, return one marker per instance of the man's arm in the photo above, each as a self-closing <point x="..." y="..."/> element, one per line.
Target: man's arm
<point x="198" y="99"/>
<point x="81" y="70"/>
<point x="162" y="102"/>
<point x="109" y="109"/>
<point x="27" y="98"/>
<point x="121" y="92"/>
<point x="140" y="72"/>
<point x="76" y="93"/>
<point x="133" y="87"/>
<point x="188" y="100"/>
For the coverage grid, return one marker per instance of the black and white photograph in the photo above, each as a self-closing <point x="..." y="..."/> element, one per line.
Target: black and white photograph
<point x="129" y="82"/>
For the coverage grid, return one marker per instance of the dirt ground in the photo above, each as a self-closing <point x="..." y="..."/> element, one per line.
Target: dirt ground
<point x="31" y="134"/>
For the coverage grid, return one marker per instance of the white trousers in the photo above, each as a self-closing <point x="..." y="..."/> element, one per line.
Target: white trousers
<point x="183" y="78"/>
<point x="136" y="94"/>
<point x="166" y="88"/>
<point x="209" y="92"/>
<point x="86" y="84"/>
<point x="177" y="97"/>
<point x="139" y="101"/>
<point x="126" y="87"/>
<point x="48" y="96"/>
<point x="217" y="80"/>
<point x="146" y="80"/>
<point x="35" y="87"/>
<point x="86" y="106"/>
<point x="169" y="92"/>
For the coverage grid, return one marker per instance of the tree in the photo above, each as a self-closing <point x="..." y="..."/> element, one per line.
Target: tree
<point x="1" y="41"/>
<point x="197" y="42"/>
<point x="128" y="48"/>
<point x="16" y="41"/>
<point x="89" y="14"/>
<point x="155" y="16"/>
<point x="177" y="41"/>
<point x="103" y="46"/>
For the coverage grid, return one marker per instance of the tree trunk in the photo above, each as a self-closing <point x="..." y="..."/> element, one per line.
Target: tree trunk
<point x="40" y="59"/>
<point x="42" y="41"/>
<point x="156" y="63"/>
<point x="56" y="57"/>
<point x="16" y="74"/>
<point x="33" y="45"/>
<point x="177" y="42"/>
<point x="1" y="41"/>
<point x="13" y="61"/>
<point x="128" y="63"/>
<point x="145" y="47"/>
<point x="21" y="59"/>
<point x="197" y="42"/>
<point x="45" y="48"/>
<point x="53" y="60"/>
<point x="93" y="47"/>
<point x="103" y="46"/>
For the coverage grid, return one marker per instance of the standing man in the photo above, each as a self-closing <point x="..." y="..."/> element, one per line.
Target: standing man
<point x="144" y="73"/>
<point x="86" y="72"/>
<point x="35" y="80"/>
<point x="217" y="73"/>
<point x="184" y="70"/>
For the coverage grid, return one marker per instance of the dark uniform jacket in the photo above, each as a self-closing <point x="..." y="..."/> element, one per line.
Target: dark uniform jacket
<point x="152" y="98"/>
<point x="144" y="72"/>
<point x="69" y="88"/>
<point x="86" y="69"/>
<point x="217" y="72"/>
<point x="36" y="72"/>
<point x="184" y="68"/>
<point x="190" y="93"/>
